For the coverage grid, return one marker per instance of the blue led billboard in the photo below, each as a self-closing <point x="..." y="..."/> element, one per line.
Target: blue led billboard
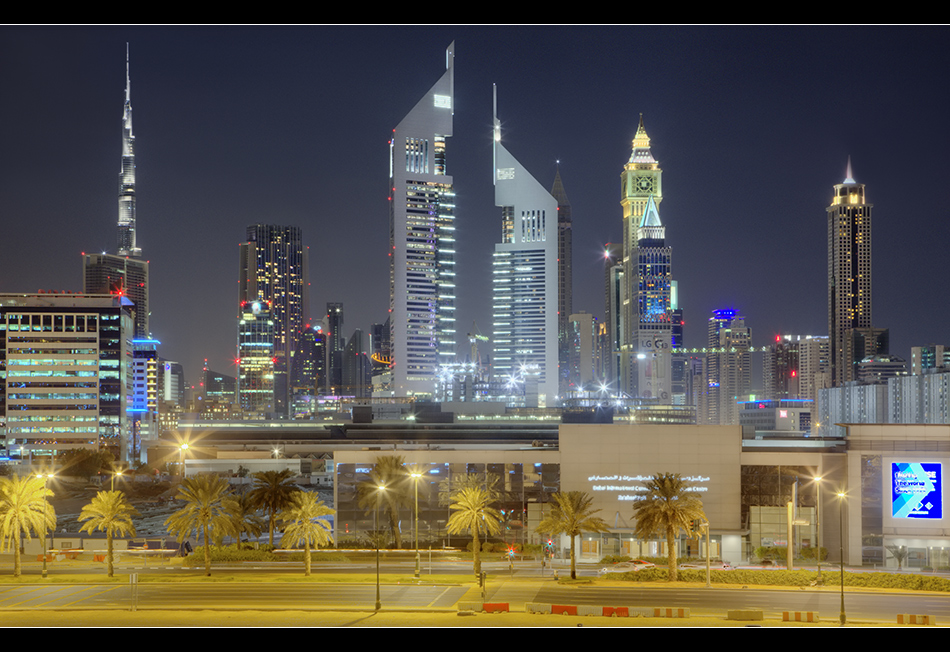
<point x="916" y="490"/>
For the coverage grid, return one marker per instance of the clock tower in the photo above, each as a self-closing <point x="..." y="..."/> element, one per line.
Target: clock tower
<point x="646" y="343"/>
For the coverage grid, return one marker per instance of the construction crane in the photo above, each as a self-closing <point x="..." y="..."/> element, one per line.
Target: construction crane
<point x="473" y="338"/>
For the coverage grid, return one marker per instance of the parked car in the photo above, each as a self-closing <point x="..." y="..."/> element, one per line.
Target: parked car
<point x="633" y="566"/>
<point x="713" y="565"/>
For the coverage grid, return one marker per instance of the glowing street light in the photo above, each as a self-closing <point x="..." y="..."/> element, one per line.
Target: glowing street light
<point x="818" y="526"/>
<point x="841" y="495"/>
<point x="415" y="483"/>
<point x="46" y="477"/>
<point x="181" y="459"/>
<point x="379" y="489"/>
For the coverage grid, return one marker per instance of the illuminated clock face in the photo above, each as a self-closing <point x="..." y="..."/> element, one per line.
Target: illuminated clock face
<point x="646" y="185"/>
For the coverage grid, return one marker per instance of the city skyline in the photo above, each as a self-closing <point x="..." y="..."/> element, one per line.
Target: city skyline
<point x="236" y="126"/>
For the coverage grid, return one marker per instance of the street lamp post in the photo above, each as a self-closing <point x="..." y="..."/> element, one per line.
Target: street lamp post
<point x="415" y="483"/>
<point x="46" y="477"/>
<point x="842" y="617"/>
<point x="818" y="526"/>
<point x="115" y="473"/>
<point x="181" y="459"/>
<point x="379" y="488"/>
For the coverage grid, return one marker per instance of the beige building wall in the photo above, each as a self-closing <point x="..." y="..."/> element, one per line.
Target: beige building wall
<point x="612" y="462"/>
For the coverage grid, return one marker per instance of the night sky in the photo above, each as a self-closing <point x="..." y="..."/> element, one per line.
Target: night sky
<point x="289" y="125"/>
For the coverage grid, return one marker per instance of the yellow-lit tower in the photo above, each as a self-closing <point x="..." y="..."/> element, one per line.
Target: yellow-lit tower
<point x="641" y="179"/>
<point x="849" y="273"/>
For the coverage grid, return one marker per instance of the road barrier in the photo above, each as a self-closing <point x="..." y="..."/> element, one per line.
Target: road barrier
<point x="589" y="610"/>
<point x="745" y="614"/>
<point x="800" y="616"/>
<point x="915" y="619"/>
<point x="490" y="607"/>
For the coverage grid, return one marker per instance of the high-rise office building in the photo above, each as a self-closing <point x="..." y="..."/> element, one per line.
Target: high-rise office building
<point x="67" y="362"/>
<point x="124" y="273"/>
<point x="422" y="241"/>
<point x="582" y="329"/>
<point x="680" y="378"/>
<point x="653" y="312"/>
<point x="925" y="358"/>
<point x="144" y="411"/>
<point x="121" y="276"/>
<point x="256" y="360"/>
<point x="336" y="342"/>
<point x="525" y="276"/>
<point x="613" y="314"/>
<point x="646" y="346"/>
<point x="565" y="281"/>
<point x="849" y="274"/>
<point x="814" y="365"/>
<point x="795" y="367"/>
<point x="310" y="362"/>
<point x="357" y="368"/>
<point x="727" y="369"/>
<point x="273" y="271"/>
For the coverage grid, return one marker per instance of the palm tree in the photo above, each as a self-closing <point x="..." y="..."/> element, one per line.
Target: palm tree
<point x="111" y="513"/>
<point x="210" y="507"/>
<point x="303" y="525"/>
<point x="388" y="472"/>
<point x="666" y="505"/>
<point x="272" y="492"/>
<point x="246" y="519"/>
<point x="472" y="513"/>
<point x="571" y="514"/>
<point x="24" y="508"/>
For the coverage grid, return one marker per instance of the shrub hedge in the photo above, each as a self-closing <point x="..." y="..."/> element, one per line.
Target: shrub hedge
<point x="230" y="553"/>
<point x="911" y="582"/>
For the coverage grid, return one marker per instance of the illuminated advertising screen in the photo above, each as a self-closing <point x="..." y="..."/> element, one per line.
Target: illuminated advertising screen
<point x="916" y="490"/>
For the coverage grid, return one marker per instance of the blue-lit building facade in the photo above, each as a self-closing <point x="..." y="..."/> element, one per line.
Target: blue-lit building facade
<point x="654" y="308"/>
<point x="67" y="372"/>
<point x="143" y="411"/>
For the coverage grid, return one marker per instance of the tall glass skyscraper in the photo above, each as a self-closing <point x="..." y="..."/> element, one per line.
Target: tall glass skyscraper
<point x="273" y="271"/>
<point x="124" y="273"/>
<point x="648" y="302"/>
<point x="849" y="273"/>
<point x="256" y="360"/>
<point x="565" y="282"/>
<point x="422" y="241"/>
<point x="126" y="240"/>
<point x="525" y="279"/>
<point x="654" y="309"/>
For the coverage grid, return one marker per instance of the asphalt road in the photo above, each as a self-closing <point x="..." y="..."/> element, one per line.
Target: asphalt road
<point x="241" y="595"/>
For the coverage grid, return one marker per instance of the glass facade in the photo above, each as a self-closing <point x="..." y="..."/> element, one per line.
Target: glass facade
<point x="65" y="372"/>
<point x="422" y="242"/>
<point x="523" y="492"/>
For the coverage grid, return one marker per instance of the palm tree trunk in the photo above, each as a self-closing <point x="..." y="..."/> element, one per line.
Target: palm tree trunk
<point x="16" y="552"/>
<point x="306" y="556"/>
<point x="272" y="517"/>
<point x="109" y="551"/>
<point x="573" y="568"/>
<point x="476" y="551"/>
<point x="204" y="529"/>
<point x="394" y="526"/>
<point x="671" y="552"/>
